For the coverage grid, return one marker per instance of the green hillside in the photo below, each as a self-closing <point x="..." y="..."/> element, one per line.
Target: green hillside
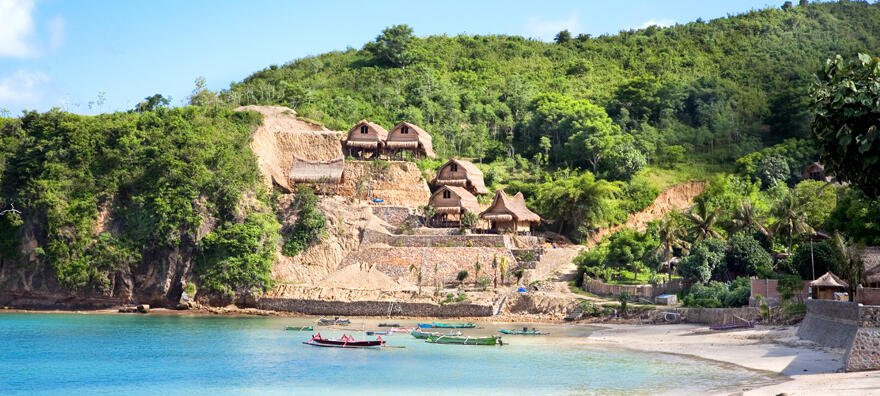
<point x="720" y="89"/>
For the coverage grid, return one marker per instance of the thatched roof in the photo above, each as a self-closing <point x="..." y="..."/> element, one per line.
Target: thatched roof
<point x="425" y="142"/>
<point x="828" y="280"/>
<point x="381" y="133"/>
<point x="306" y="171"/>
<point x="871" y="263"/>
<point x="467" y="201"/>
<point x="514" y="206"/>
<point x="474" y="177"/>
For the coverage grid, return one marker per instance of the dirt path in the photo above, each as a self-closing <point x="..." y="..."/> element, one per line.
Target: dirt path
<point x="677" y="197"/>
<point x="561" y="270"/>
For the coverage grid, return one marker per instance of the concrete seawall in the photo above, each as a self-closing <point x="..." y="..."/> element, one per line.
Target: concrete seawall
<point x="842" y="324"/>
<point x="373" y="308"/>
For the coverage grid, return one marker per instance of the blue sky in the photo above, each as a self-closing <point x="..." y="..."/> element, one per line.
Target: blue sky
<point x="62" y="53"/>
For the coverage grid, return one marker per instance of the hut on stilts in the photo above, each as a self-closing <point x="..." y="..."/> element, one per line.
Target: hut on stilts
<point x="409" y="137"/>
<point x="450" y="203"/>
<point x="460" y="173"/>
<point x="365" y="139"/>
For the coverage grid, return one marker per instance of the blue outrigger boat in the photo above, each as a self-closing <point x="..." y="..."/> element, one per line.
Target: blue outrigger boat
<point x="454" y="326"/>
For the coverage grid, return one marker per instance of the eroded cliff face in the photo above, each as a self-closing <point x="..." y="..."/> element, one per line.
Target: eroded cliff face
<point x="346" y="221"/>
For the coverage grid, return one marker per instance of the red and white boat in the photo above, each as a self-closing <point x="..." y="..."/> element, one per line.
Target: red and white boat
<point x="400" y="330"/>
<point x="346" y="341"/>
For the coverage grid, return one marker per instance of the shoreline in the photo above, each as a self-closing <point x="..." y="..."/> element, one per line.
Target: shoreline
<point x="810" y="368"/>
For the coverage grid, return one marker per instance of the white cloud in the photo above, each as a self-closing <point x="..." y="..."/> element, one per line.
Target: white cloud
<point x="16" y="26"/>
<point x="23" y="87"/>
<point x="546" y="29"/>
<point x="56" y="32"/>
<point x="659" y="23"/>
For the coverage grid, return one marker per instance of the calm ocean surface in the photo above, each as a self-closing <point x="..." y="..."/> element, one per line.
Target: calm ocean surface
<point x="190" y="355"/>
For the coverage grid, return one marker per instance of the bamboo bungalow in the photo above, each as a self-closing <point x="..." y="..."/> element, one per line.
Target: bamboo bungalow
<point x="365" y="137"/>
<point x="510" y="214"/>
<point x="825" y="287"/>
<point x="450" y="203"/>
<point x="460" y="173"/>
<point x="408" y="137"/>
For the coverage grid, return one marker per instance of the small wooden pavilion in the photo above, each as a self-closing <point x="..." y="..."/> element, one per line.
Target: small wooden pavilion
<point x="365" y="138"/>
<point x="815" y="171"/>
<point x="825" y="287"/>
<point x="456" y="172"/>
<point x="450" y="203"/>
<point x="510" y="214"/>
<point x="409" y="137"/>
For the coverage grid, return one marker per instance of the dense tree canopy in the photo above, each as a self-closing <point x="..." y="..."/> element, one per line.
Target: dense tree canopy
<point x="847" y="121"/>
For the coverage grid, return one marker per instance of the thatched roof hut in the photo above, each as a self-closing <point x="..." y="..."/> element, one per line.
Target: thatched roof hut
<point x="406" y="136"/>
<point x="456" y="172"/>
<point x="871" y="262"/>
<point x="307" y="171"/>
<point x="510" y="213"/>
<point x="816" y="171"/>
<point x="453" y="199"/>
<point x="366" y="135"/>
<point x="828" y="284"/>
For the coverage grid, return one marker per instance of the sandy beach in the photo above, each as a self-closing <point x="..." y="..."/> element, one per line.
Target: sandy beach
<point x="813" y="369"/>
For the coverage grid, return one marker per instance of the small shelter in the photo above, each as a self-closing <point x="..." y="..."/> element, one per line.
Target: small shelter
<point x="871" y="262"/>
<point x="450" y="203"/>
<point x="456" y="172"/>
<point x="825" y="287"/>
<point x="306" y="171"/>
<point x="510" y="213"/>
<point x="365" y="137"/>
<point x="409" y="137"/>
<point x="816" y="171"/>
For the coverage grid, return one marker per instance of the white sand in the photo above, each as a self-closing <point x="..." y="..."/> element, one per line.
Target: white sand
<point x="813" y="369"/>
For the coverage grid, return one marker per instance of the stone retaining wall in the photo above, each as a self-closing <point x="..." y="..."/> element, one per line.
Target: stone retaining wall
<point x="374" y="237"/>
<point x="396" y="216"/>
<point x="864" y="354"/>
<point x="374" y="308"/>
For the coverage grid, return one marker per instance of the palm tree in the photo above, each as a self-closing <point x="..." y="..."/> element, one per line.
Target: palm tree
<point x="703" y="219"/>
<point x="850" y="262"/>
<point x="792" y="220"/>
<point x="477" y="268"/>
<point x="746" y="218"/>
<point x="418" y="270"/>
<point x="671" y="235"/>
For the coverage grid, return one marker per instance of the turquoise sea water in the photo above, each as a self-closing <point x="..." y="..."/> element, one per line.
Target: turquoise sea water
<point x="190" y="355"/>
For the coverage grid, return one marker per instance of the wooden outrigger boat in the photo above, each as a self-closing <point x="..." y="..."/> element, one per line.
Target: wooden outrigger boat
<point x="524" y="331"/>
<point x="459" y="340"/>
<point x="345" y="341"/>
<point x="389" y="325"/>
<point x="453" y="326"/>
<point x="425" y="334"/>
<point x="299" y="328"/>
<point x="333" y="322"/>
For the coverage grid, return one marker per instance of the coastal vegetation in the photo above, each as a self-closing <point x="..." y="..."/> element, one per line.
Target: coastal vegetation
<point x="590" y="129"/>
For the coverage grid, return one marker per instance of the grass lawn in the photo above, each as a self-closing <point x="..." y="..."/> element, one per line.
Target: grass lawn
<point x="662" y="178"/>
